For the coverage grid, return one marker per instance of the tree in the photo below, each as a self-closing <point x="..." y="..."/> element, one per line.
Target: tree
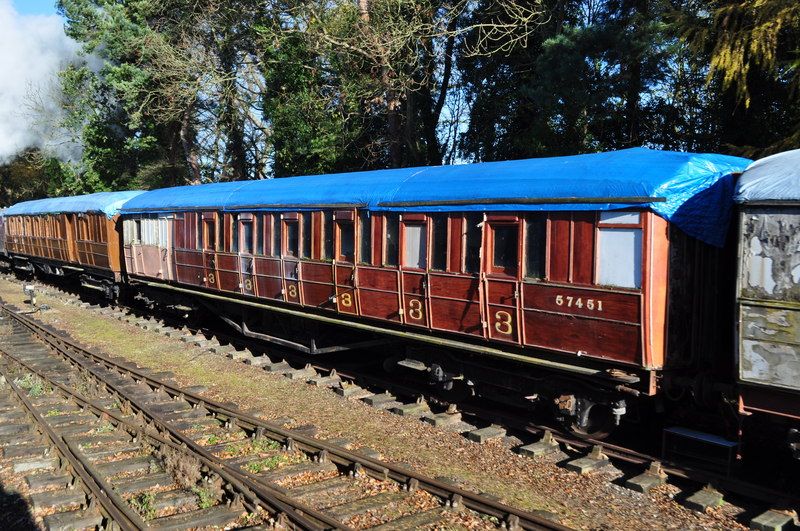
<point x="754" y="51"/>
<point x="123" y="146"/>
<point x="398" y="57"/>
<point x="33" y="174"/>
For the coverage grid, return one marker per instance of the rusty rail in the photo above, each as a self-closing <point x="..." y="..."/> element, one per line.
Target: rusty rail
<point x="453" y="495"/>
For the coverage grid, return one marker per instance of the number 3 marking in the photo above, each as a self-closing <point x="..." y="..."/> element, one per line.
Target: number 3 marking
<point x="347" y="300"/>
<point x="248" y="284"/>
<point x="415" y="309"/>
<point x="211" y="278"/>
<point x="292" y="291"/>
<point x="503" y="323"/>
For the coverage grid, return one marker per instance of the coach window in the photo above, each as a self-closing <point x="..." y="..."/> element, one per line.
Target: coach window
<point x="199" y="232"/>
<point x="365" y="238"/>
<point x="346" y="241"/>
<point x="535" y="245"/>
<point x="415" y="245"/>
<point x="619" y="250"/>
<point x="474" y="236"/>
<point x="210" y="234"/>
<point x="392" y="236"/>
<point x="439" y="243"/>
<point x="292" y="238"/>
<point x="306" y="226"/>
<point x="138" y="234"/>
<point x="275" y="245"/>
<point x="259" y="233"/>
<point x="234" y="241"/>
<point x="327" y="235"/>
<point x="247" y="236"/>
<point x="505" y="248"/>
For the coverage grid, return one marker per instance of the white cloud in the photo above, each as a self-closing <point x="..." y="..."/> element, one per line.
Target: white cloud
<point x="33" y="48"/>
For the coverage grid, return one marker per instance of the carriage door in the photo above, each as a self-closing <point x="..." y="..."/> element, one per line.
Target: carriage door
<point x="290" y="257"/>
<point x="413" y="267"/>
<point x="212" y="223"/>
<point x="152" y="246"/>
<point x="246" y="261"/>
<point x="164" y="242"/>
<point x="344" y="265"/>
<point x="501" y="274"/>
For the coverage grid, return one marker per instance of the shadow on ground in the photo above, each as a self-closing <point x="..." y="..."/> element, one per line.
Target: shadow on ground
<point x="15" y="512"/>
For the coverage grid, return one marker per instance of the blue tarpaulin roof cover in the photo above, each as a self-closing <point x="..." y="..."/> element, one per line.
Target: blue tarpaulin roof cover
<point x="107" y="203"/>
<point x="774" y="178"/>
<point x="694" y="191"/>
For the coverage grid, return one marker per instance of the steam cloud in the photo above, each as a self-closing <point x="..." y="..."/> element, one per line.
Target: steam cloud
<point x="32" y="51"/>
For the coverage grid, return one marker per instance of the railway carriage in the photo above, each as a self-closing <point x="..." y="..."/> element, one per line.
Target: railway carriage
<point x="768" y="291"/>
<point x="566" y="280"/>
<point x="3" y="252"/>
<point x="69" y="236"/>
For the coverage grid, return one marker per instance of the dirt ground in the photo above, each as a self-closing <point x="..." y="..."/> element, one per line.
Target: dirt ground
<point x="586" y="502"/>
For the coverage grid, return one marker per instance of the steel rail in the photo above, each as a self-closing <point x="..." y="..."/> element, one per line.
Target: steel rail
<point x="280" y="501"/>
<point x="139" y="431"/>
<point x="613" y="451"/>
<point x="274" y="500"/>
<point x="110" y="503"/>
<point x="378" y="469"/>
<point x="616" y="452"/>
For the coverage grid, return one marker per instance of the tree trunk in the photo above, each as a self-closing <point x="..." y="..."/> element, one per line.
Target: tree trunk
<point x="393" y="128"/>
<point x="363" y="10"/>
<point x="633" y="115"/>
<point x="187" y="140"/>
<point x="230" y="118"/>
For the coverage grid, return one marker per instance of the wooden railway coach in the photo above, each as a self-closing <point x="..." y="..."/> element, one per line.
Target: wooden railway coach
<point x="554" y="267"/>
<point x="3" y="254"/>
<point x="69" y="236"/>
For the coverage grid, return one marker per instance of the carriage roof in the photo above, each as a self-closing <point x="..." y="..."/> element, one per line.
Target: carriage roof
<point x="774" y="178"/>
<point x="692" y="190"/>
<point x="108" y="203"/>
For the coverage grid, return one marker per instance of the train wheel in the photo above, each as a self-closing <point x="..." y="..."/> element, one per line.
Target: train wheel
<point x="588" y="418"/>
<point x="597" y="423"/>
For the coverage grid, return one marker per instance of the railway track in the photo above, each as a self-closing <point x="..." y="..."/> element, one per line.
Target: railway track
<point x="161" y="456"/>
<point x="777" y="506"/>
<point x="654" y="470"/>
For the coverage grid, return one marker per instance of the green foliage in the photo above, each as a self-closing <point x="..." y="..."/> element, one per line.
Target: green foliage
<point x="202" y="91"/>
<point x="310" y="129"/>
<point x="755" y="34"/>
<point x="614" y="74"/>
<point x="753" y="51"/>
<point x="262" y="444"/>
<point x="33" y="384"/>
<point x="142" y="503"/>
<point x="268" y="463"/>
<point x="124" y="146"/>
<point x="205" y="497"/>
<point x="24" y="178"/>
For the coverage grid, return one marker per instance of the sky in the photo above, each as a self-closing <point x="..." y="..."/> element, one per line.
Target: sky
<point x="33" y="49"/>
<point x="34" y="7"/>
